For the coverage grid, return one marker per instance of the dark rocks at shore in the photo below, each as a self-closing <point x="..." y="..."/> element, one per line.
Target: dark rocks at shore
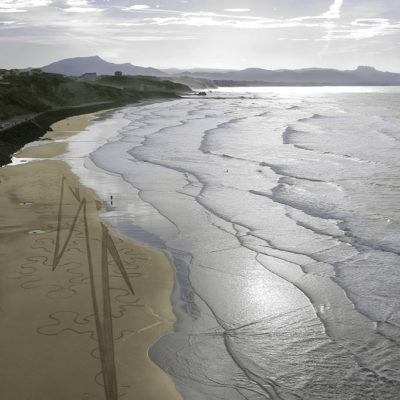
<point x="12" y="139"/>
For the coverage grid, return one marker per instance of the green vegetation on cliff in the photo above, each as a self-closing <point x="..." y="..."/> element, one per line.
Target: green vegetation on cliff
<point x="142" y="83"/>
<point x="31" y="102"/>
<point x="35" y="93"/>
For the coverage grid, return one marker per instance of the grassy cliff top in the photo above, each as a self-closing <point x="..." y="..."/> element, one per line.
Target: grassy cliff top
<point x="141" y="83"/>
<point x="31" y="102"/>
<point x="33" y="93"/>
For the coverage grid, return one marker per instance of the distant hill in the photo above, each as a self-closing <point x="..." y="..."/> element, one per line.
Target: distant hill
<point x="81" y="65"/>
<point x="179" y="71"/>
<point x="314" y="76"/>
<point x="363" y="75"/>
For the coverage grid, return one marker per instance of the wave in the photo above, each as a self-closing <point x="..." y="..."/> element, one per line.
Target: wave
<point x="270" y="292"/>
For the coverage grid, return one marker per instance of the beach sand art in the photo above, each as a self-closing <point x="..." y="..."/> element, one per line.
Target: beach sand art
<point x="80" y="305"/>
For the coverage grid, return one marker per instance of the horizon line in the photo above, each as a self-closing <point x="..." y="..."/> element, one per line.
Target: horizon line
<point x="210" y="68"/>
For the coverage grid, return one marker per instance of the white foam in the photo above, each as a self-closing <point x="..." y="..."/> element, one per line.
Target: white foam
<point x="284" y="247"/>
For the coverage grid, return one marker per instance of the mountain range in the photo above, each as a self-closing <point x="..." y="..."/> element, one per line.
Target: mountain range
<point x="363" y="75"/>
<point x="81" y="65"/>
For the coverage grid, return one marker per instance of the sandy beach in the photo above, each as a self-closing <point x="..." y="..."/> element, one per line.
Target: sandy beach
<point x="80" y="306"/>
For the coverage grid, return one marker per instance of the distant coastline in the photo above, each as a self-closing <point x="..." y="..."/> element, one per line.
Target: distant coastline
<point x="229" y="83"/>
<point x="204" y="77"/>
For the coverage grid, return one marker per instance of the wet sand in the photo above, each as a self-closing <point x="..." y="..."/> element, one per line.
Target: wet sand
<point x="76" y="299"/>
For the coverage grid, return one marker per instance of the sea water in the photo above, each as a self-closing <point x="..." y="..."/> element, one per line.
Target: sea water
<point x="279" y="210"/>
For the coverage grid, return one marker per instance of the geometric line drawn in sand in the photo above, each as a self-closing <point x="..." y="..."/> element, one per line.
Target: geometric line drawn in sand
<point x="102" y="309"/>
<point x="58" y="254"/>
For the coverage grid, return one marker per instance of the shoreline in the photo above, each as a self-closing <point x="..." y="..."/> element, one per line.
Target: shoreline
<point x="69" y="284"/>
<point x="15" y="137"/>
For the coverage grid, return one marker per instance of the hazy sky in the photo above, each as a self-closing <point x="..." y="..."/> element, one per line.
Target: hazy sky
<point x="203" y="33"/>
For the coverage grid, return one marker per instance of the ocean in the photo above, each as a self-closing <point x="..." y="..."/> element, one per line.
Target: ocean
<point x="279" y="210"/>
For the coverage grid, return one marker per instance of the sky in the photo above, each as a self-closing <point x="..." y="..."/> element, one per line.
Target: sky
<point x="231" y="34"/>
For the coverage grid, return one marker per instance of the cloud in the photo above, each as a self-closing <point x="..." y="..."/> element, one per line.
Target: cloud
<point x="82" y="9"/>
<point x="81" y="6"/>
<point x="333" y="13"/>
<point x="142" y="38"/>
<point x="330" y="21"/>
<point x="15" y="6"/>
<point x="245" y="22"/>
<point x="26" y="3"/>
<point x="363" y="29"/>
<point x="334" y="10"/>
<point x="370" y="22"/>
<point x="11" y="10"/>
<point x="202" y="18"/>
<point x="80" y="18"/>
<point x="77" y="3"/>
<point x="200" y="14"/>
<point x="237" y="9"/>
<point x="136" y="7"/>
<point x="22" y="6"/>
